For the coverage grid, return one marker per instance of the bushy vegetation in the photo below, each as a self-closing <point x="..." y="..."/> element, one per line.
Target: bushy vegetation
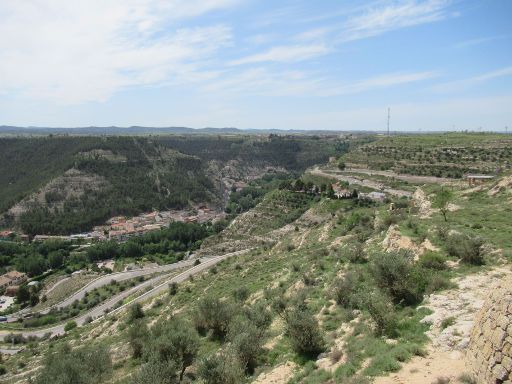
<point x="468" y="249"/>
<point x="86" y="365"/>
<point x="139" y="174"/>
<point x="444" y="155"/>
<point x="168" y="244"/>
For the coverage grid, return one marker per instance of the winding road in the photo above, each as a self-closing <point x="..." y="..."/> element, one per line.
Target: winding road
<point x="108" y="306"/>
<point x="104" y="280"/>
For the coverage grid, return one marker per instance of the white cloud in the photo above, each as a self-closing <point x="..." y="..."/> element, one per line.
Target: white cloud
<point x="382" y="81"/>
<point x="362" y="22"/>
<point x="261" y="81"/>
<point x="285" y="54"/>
<point x="86" y="50"/>
<point x="472" y="81"/>
<point x="480" y="40"/>
<point x="381" y="19"/>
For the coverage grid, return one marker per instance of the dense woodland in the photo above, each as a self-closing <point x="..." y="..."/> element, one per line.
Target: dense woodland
<point x="139" y="173"/>
<point x="167" y="245"/>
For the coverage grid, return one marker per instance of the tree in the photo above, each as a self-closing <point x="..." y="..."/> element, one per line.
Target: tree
<point x="341" y="165"/>
<point x="56" y="258"/>
<point x="220" y="368"/>
<point x="174" y="340"/>
<point x="215" y="315"/>
<point x="132" y="249"/>
<point x="442" y="201"/>
<point x="395" y="272"/>
<point x="70" y="325"/>
<point x="156" y="372"/>
<point x="87" y="365"/>
<point x="304" y="333"/>
<point x="246" y="341"/>
<point x="138" y="336"/>
<point x="23" y="294"/>
<point x="135" y="313"/>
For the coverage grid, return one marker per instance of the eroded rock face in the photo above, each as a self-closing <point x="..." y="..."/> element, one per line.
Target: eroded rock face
<point x="489" y="355"/>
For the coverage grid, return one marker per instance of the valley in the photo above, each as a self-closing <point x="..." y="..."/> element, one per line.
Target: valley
<point x="342" y="268"/>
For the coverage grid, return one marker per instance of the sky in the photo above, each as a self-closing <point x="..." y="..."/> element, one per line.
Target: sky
<point x="326" y="64"/>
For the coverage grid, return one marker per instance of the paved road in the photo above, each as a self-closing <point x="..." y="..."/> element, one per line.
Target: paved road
<point x="104" y="280"/>
<point x="164" y="281"/>
<point x="357" y="181"/>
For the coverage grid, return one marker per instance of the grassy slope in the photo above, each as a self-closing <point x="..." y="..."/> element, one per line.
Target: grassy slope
<point x="448" y="155"/>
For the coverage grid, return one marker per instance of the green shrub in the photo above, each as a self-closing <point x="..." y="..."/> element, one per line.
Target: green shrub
<point x="214" y="315"/>
<point x="433" y="260"/>
<point x="356" y="254"/>
<point x="156" y="372"/>
<point x="87" y="365"/>
<point x="70" y="325"/>
<point x="344" y="288"/>
<point x="220" y="368"/>
<point x="468" y="249"/>
<point x="382" y="312"/>
<point x="241" y="294"/>
<point x="173" y="288"/>
<point x="135" y="313"/>
<point x="448" y="322"/>
<point x="395" y="272"/>
<point x="304" y="333"/>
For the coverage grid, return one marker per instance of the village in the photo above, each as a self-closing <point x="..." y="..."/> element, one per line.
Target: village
<point x="122" y="228"/>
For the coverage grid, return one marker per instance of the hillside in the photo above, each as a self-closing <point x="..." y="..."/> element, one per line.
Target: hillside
<point x="59" y="184"/>
<point x="441" y="155"/>
<point x="303" y="288"/>
<point x="367" y="288"/>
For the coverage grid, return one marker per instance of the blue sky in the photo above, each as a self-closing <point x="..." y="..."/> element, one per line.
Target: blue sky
<point x="438" y="64"/>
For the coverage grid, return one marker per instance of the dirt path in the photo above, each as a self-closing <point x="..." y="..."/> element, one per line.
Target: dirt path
<point x="410" y="178"/>
<point x="357" y="181"/>
<point x="452" y="317"/>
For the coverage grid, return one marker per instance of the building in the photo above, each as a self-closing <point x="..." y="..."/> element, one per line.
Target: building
<point x="7" y="235"/>
<point x="478" y="179"/>
<point x="12" y="290"/>
<point x="12" y="278"/>
<point x="340" y="192"/>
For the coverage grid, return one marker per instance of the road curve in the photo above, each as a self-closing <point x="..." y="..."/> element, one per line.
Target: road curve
<point x="104" y="280"/>
<point x="100" y="310"/>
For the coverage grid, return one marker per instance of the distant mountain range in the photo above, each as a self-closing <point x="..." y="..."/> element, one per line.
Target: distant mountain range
<point x="136" y="130"/>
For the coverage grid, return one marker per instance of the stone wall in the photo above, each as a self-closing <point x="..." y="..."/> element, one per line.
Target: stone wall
<point x="489" y="356"/>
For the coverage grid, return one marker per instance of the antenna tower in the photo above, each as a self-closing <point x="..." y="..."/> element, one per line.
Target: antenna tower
<point x="389" y="116"/>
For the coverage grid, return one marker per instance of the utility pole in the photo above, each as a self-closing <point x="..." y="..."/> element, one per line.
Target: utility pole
<point x="389" y="116"/>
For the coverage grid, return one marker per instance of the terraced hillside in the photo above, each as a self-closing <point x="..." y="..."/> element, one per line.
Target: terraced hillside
<point x="441" y="155"/>
<point x="258" y="226"/>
